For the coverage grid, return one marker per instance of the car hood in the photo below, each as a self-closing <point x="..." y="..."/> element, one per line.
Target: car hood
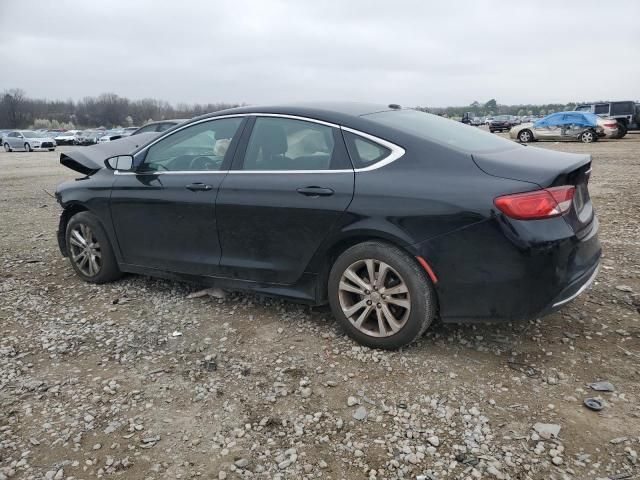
<point x="89" y="160"/>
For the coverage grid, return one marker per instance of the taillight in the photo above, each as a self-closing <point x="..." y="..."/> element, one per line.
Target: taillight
<point x="546" y="203"/>
<point x="611" y="125"/>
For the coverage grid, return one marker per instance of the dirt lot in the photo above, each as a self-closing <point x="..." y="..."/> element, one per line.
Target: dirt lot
<point x="135" y="380"/>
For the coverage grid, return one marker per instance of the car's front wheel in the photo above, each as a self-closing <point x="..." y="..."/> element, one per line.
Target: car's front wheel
<point x="588" y="136"/>
<point x="27" y="148"/>
<point x="89" y="249"/>
<point x="382" y="296"/>
<point x="525" y="136"/>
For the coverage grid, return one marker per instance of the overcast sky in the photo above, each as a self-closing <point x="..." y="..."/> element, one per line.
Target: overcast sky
<point x="434" y="53"/>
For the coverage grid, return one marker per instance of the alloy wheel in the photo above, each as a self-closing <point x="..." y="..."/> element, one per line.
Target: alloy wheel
<point x="374" y="298"/>
<point x="7" y="148"/>
<point x="525" y="136"/>
<point x="587" y="137"/>
<point x="85" y="250"/>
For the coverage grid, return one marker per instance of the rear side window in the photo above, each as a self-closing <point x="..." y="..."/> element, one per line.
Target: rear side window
<point x="364" y="152"/>
<point x="622" y="108"/>
<point x="441" y="130"/>
<point x="602" y="109"/>
<point x="287" y="144"/>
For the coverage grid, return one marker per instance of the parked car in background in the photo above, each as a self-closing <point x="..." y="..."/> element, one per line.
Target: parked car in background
<point x="501" y="123"/>
<point x="585" y="127"/>
<point x="625" y="113"/>
<point x="28" y="140"/>
<point x="299" y="212"/>
<point x="89" y="137"/>
<point x="110" y="135"/>
<point x="2" y="134"/>
<point x="159" y="126"/>
<point x="70" y="137"/>
<point x="467" y="118"/>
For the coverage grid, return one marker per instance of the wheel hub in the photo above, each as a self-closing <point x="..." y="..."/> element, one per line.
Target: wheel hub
<point x="374" y="298"/>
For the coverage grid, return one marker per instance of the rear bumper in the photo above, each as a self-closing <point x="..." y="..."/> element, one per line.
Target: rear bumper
<point x="504" y="270"/>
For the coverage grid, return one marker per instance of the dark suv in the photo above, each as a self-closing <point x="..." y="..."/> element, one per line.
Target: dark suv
<point x="501" y="123"/>
<point x="626" y="113"/>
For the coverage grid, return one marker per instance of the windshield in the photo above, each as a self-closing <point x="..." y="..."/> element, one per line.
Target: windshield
<point x="441" y="130"/>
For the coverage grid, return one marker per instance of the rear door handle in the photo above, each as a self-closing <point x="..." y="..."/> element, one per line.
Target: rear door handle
<point x="198" y="186"/>
<point x="315" y="191"/>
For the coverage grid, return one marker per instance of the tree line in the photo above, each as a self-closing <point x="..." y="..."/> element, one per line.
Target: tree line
<point x="110" y="110"/>
<point x="492" y="107"/>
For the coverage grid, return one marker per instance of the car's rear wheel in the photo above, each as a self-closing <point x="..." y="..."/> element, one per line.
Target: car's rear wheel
<point x="381" y="296"/>
<point x="7" y="148"/>
<point x="622" y="130"/>
<point x="28" y="148"/>
<point x="588" y="136"/>
<point x="89" y="249"/>
<point x="525" y="136"/>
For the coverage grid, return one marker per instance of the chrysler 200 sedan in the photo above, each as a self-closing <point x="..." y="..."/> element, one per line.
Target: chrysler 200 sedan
<point x="394" y="217"/>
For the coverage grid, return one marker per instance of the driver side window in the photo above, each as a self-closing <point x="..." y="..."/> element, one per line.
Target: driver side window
<point x="200" y="147"/>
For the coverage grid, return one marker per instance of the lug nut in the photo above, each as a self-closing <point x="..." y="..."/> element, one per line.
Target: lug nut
<point x="368" y="302"/>
<point x="379" y="305"/>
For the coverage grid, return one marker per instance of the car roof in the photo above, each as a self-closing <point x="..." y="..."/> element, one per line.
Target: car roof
<point x="335" y="112"/>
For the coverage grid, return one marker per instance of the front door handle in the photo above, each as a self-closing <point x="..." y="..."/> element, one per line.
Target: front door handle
<point x="194" y="187"/>
<point x="315" y="191"/>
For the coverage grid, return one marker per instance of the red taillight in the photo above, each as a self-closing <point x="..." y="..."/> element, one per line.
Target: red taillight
<point x="546" y="203"/>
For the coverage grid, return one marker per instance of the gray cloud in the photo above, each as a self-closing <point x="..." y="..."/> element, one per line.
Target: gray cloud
<point x="408" y="52"/>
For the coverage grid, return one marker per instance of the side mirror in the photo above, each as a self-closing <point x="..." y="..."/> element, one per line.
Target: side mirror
<point x="121" y="162"/>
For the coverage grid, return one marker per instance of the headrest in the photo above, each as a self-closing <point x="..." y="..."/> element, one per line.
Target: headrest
<point x="272" y="139"/>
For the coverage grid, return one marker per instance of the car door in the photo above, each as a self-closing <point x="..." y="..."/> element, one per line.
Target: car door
<point x="14" y="140"/>
<point x="164" y="212"/>
<point x="290" y="183"/>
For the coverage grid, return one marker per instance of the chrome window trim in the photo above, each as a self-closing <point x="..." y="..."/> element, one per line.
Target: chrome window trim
<point x="396" y="150"/>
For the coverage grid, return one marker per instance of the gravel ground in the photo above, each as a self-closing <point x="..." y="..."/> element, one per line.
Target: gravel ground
<point x="137" y="380"/>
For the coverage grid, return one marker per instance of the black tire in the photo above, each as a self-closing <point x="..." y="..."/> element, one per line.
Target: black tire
<point x="7" y="148"/>
<point x="28" y="148"/>
<point x="491" y="131"/>
<point x="588" y="136"/>
<point x="108" y="270"/>
<point x="622" y="130"/>
<point x="525" y="136"/>
<point x="421" y="293"/>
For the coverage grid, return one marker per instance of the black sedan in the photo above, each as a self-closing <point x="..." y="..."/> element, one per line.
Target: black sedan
<point x="393" y="216"/>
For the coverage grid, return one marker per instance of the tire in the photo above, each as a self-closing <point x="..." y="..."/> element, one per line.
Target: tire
<point x="27" y="148"/>
<point x="588" y="136"/>
<point x="413" y="308"/>
<point x="491" y="131"/>
<point x="88" y="226"/>
<point x="7" y="148"/>
<point x="622" y="130"/>
<point x="525" y="136"/>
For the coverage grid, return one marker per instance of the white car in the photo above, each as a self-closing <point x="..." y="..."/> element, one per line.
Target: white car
<point x="28" y="140"/>
<point x="67" y="138"/>
<point x="111" y="135"/>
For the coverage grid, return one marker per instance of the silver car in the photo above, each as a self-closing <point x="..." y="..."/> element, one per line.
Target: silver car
<point x="28" y="140"/>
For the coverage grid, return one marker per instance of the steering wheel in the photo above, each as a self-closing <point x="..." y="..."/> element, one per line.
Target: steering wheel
<point x="203" y="163"/>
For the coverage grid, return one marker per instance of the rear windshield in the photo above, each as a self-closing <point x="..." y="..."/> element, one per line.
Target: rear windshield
<point x="441" y="130"/>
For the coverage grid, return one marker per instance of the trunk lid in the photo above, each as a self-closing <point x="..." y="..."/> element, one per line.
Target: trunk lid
<point x="547" y="168"/>
<point x="88" y="160"/>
